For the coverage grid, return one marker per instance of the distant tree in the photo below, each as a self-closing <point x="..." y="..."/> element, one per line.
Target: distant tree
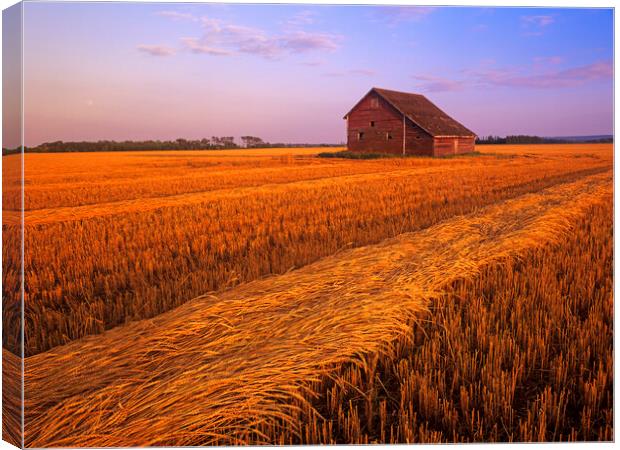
<point x="252" y="141"/>
<point x="216" y="142"/>
<point x="490" y="140"/>
<point x="228" y="141"/>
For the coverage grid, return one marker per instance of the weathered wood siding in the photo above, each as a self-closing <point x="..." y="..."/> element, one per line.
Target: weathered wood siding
<point x="444" y="146"/>
<point x="418" y="141"/>
<point x="375" y="138"/>
<point x="382" y="128"/>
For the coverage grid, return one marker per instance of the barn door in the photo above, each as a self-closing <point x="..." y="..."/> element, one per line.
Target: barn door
<point x="456" y="146"/>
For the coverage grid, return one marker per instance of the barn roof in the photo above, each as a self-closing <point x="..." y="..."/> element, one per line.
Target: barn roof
<point x="423" y="113"/>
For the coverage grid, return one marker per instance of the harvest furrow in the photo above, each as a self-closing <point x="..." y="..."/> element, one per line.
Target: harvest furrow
<point x="529" y="341"/>
<point x="62" y="214"/>
<point x="74" y="190"/>
<point x="217" y="365"/>
<point x="75" y="201"/>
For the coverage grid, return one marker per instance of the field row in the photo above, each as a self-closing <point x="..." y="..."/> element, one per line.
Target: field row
<point x="160" y="175"/>
<point x="172" y="180"/>
<point x="299" y="184"/>
<point x="68" y="180"/>
<point x="54" y="168"/>
<point x="521" y="353"/>
<point x="221" y="368"/>
<point x="85" y="276"/>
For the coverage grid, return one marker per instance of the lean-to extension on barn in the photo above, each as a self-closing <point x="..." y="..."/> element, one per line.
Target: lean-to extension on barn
<point x="385" y="121"/>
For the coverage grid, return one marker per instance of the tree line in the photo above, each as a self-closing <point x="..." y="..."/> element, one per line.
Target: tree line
<point x="228" y="142"/>
<point x="213" y="143"/>
<point x="526" y="139"/>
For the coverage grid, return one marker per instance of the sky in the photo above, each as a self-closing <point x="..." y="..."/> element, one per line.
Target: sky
<point x="288" y="73"/>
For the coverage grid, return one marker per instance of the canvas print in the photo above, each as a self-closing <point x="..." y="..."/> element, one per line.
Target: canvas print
<point x="289" y="224"/>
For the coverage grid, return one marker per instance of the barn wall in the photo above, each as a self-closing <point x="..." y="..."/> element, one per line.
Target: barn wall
<point x="444" y="146"/>
<point x="467" y="144"/>
<point x="418" y="141"/>
<point x="386" y="120"/>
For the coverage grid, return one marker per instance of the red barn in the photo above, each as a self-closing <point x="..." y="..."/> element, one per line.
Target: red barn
<point x="401" y="123"/>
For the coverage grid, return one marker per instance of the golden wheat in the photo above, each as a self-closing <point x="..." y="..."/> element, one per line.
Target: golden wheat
<point x="221" y="368"/>
<point x="89" y="268"/>
<point x="521" y="353"/>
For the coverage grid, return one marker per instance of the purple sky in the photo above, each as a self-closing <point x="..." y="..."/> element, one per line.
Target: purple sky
<point x="288" y="73"/>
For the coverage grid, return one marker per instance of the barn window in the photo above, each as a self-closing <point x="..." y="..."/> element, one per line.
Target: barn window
<point x="374" y="102"/>
<point x="388" y="136"/>
<point x="372" y="123"/>
<point x="360" y="136"/>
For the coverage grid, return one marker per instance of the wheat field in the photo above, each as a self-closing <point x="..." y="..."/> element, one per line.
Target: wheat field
<point x="94" y="266"/>
<point x="270" y="296"/>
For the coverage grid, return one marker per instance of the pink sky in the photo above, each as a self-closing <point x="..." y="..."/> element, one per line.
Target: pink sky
<point x="287" y="73"/>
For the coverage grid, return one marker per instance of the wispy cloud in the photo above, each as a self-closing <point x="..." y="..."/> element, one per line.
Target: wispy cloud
<point x="155" y="50"/>
<point x="344" y="73"/>
<point x="302" y="41"/>
<point x="175" y="15"/>
<point x="429" y="83"/>
<point x="224" y="38"/>
<point x="554" y="79"/>
<point x="366" y="72"/>
<point x="194" y="45"/>
<point x="397" y="14"/>
<point x="535" y="25"/>
<point x="553" y="60"/>
<point x="305" y="17"/>
<point x="479" y="28"/>
<point x="518" y="78"/>
<point x="538" y="21"/>
<point x="312" y="63"/>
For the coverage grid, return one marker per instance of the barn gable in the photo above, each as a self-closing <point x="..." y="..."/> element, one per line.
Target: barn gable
<point x="374" y="125"/>
<point x="385" y="121"/>
<point x="421" y="112"/>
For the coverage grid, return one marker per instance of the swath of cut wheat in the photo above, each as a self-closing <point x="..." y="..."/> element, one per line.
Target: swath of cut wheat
<point x="219" y="366"/>
<point x="522" y="352"/>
